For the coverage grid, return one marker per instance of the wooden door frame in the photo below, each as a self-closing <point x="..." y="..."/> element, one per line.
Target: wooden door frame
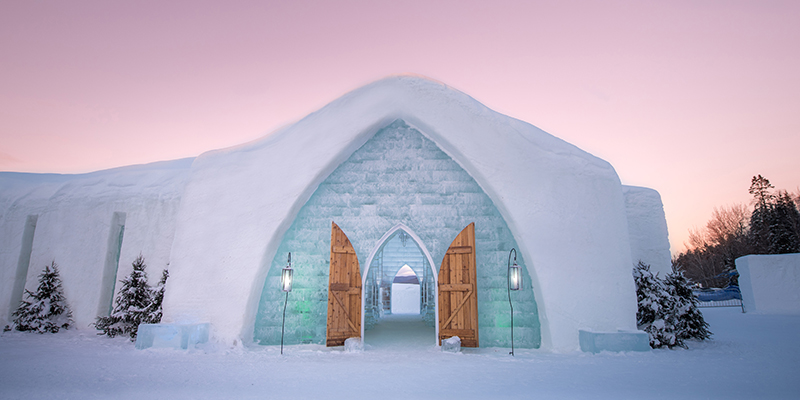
<point x="425" y="252"/>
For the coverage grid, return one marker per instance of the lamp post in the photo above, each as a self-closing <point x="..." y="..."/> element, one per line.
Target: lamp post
<point x="286" y="286"/>
<point x="514" y="280"/>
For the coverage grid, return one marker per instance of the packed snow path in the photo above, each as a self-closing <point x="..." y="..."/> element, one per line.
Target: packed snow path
<point x="751" y="356"/>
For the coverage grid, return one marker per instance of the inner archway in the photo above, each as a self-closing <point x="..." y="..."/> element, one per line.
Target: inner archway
<point x="399" y="250"/>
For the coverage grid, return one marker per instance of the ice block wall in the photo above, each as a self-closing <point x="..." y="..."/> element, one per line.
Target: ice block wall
<point x="398" y="176"/>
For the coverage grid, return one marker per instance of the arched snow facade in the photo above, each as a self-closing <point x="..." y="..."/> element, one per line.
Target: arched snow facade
<point x="398" y="176"/>
<point x="563" y="206"/>
<point x="219" y="221"/>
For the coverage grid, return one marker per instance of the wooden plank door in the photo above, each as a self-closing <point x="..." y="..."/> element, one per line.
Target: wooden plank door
<point x="458" y="290"/>
<point x="344" y="291"/>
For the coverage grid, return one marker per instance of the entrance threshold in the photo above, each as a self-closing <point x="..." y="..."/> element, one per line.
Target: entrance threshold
<point x="400" y="331"/>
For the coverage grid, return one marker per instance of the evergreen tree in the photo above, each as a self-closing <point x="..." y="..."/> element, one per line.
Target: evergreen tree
<point x="132" y="304"/>
<point x="654" y="314"/>
<point x="775" y="220"/>
<point x="759" y="188"/>
<point x="154" y="311"/>
<point x="760" y="219"/>
<point x="783" y="220"/>
<point x="47" y="309"/>
<point x="690" y="321"/>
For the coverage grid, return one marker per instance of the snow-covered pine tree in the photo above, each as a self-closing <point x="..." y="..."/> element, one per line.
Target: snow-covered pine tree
<point x="154" y="309"/>
<point x="654" y="314"/>
<point x="690" y="323"/>
<point x="131" y="306"/>
<point x="47" y="309"/>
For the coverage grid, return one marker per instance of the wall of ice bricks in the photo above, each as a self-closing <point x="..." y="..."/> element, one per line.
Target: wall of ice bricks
<point x="398" y="176"/>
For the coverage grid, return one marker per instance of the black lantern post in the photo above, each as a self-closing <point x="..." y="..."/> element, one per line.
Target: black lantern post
<point x="286" y="286"/>
<point x="514" y="279"/>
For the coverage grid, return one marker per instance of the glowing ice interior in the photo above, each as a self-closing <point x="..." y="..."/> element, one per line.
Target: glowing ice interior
<point x="397" y="252"/>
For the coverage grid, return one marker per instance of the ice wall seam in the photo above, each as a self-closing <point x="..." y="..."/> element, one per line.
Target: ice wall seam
<point x="111" y="265"/>
<point x="20" y="279"/>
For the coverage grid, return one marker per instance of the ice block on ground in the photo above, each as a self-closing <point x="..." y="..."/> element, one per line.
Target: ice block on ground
<point x="171" y="336"/>
<point x="595" y="342"/>
<point x="451" y="344"/>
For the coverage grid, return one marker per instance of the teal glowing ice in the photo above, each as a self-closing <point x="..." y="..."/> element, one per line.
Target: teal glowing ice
<point x="398" y="176"/>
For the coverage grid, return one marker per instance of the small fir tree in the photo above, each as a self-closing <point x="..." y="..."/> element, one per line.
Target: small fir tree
<point x="654" y="314"/>
<point x="154" y="309"/>
<point x="667" y="308"/>
<point x="689" y="319"/>
<point x="47" y="309"/>
<point x="132" y="304"/>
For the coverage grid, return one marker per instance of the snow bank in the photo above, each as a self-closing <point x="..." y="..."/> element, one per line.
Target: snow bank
<point x="770" y="284"/>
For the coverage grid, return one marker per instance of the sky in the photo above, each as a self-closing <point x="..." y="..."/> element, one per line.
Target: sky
<point x="691" y="98"/>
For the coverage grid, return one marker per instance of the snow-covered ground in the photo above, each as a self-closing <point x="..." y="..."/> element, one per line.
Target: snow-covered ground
<point x="751" y="357"/>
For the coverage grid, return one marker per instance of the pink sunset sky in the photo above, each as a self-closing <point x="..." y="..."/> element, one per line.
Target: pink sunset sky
<point x="691" y="98"/>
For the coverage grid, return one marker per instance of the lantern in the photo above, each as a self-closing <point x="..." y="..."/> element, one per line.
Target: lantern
<point x="286" y="286"/>
<point x="286" y="279"/>
<point x="514" y="277"/>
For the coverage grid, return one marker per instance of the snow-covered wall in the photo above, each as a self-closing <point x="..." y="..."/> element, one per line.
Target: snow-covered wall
<point x="564" y="207"/>
<point x="770" y="284"/>
<point x="77" y="221"/>
<point x="647" y="227"/>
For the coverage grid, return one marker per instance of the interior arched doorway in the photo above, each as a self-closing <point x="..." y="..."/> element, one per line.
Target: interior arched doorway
<point x="371" y="297"/>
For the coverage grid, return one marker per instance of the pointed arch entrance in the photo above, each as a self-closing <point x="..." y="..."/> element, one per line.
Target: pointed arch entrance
<point x="399" y="176"/>
<point x="433" y="276"/>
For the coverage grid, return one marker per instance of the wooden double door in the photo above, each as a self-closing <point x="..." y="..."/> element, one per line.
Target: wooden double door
<point x="457" y="290"/>
<point x="344" y="290"/>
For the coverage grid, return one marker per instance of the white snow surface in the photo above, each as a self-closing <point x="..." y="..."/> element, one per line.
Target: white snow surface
<point x="564" y="207"/>
<point x="752" y="356"/>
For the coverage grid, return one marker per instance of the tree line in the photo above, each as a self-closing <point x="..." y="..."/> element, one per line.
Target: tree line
<point x="772" y="227"/>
